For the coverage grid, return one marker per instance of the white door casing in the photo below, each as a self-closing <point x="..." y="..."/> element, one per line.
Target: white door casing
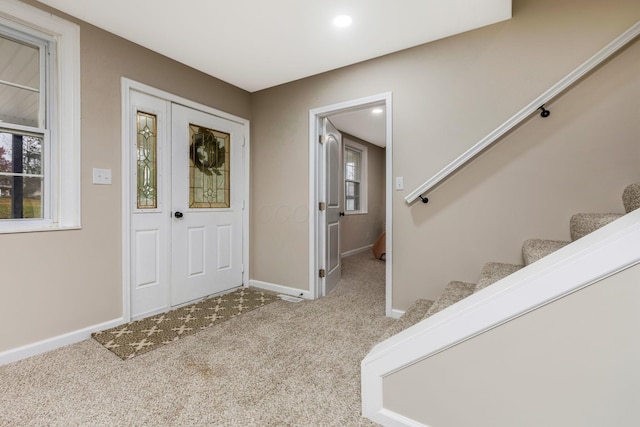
<point x="206" y="247"/>
<point x="333" y="195"/>
<point x="148" y="233"/>
<point x="316" y="219"/>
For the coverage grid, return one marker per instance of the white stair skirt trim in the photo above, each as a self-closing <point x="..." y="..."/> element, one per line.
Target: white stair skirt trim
<point x="527" y="111"/>
<point x="29" y="350"/>
<point x="390" y="418"/>
<point x="355" y="251"/>
<point x="602" y="253"/>
<point x="301" y="293"/>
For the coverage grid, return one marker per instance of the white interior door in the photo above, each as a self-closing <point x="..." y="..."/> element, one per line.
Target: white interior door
<point x="333" y="190"/>
<point x="207" y="199"/>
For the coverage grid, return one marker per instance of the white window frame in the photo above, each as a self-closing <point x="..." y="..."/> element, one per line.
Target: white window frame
<point x="61" y="210"/>
<point x="364" y="190"/>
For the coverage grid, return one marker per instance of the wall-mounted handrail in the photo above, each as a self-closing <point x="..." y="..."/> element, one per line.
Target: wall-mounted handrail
<point x="531" y="108"/>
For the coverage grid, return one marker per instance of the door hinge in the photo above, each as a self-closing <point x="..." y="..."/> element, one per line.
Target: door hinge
<point x="322" y="273"/>
<point x="321" y="139"/>
<point x="322" y="206"/>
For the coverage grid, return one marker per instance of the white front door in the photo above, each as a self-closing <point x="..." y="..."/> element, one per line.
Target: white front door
<point x="333" y="197"/>
<point x="149" y="157"/>
<point x="186" y="206"/>
<point x="207" y="199"/>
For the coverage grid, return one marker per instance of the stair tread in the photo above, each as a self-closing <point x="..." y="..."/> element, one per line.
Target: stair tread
<point x="494" y="271"/>
<point x="631" y="197"/>
<point x="453" y="292"/>
<point x="413" y="315"/>
<point x="535" y="249"/>
<point x="584" y="223"/>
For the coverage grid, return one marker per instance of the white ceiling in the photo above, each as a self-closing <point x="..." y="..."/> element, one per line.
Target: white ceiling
<point x="364" y="124"/>
<point x="257" y="44"/>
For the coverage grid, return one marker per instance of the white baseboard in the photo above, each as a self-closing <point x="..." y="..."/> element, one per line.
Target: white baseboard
<point x="396" y="314"/>
<point x="355" y="251"/>
<point x="390" y="418"/>
<point x="53" y="343"/>
<point x="280" y="289"/>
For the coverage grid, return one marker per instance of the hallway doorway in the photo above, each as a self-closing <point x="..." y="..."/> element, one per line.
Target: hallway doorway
<point x="319" y="254"/>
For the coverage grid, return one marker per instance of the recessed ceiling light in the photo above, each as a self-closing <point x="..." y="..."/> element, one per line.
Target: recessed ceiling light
<point x="342" y="21"/>
<point x="377" y="111"/>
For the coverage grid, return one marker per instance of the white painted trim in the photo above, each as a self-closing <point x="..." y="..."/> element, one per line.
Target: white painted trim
<point x="247" y="204"/>
<point x="396" y="314"/>
<point x="314" y="133"/>
<point x="390" y="418"/>
<point x="355" y="251"/>
<point x="389" y="208"/>
<point x="280" y="289"/>
<point x="584" y="262"/>
<point x="314" y="130"/>
<point x="547" y="96"/>
<point x="125" y="177"/>
<point x="53" y="343"/>
<point x="127" y="85"/>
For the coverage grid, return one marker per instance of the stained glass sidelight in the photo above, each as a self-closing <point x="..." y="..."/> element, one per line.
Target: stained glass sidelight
<point x="147" y="161"/>
<point x="208" y="168"/>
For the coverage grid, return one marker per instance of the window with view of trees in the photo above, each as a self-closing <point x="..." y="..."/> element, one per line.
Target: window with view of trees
<point x="21" y="178"/>
<point x="23" y="121"/>
<point x="39" y="120"/>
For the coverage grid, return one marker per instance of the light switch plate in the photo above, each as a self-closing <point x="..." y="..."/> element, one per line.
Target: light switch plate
<point x="399" y="183"/>
<point x="102" y="176"/>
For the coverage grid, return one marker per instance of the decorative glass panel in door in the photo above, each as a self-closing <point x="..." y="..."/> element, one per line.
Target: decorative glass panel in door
<point x="147" y="187"/>
<point x="208" y="168"/>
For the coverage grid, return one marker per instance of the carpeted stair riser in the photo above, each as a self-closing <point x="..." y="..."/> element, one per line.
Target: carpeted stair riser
<point x="494" y="271"/>
<point x="631" y="197"/>
<point x="582" y="224"/>
<point x="453" y="292"/>
<point x="535" y="249"/>
<point x="413" y="315"/>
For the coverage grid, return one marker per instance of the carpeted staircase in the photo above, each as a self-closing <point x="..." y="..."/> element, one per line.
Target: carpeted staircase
<point x="532" y="250"/>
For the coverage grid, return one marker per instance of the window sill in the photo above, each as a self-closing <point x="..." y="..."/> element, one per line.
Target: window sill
<point x="36" y="228"/>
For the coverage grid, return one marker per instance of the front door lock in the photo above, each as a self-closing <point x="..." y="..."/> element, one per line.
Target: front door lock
<point x="178" y="214"/>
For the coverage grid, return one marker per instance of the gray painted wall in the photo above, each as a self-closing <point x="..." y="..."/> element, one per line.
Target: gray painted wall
<point x="448" y="95"/>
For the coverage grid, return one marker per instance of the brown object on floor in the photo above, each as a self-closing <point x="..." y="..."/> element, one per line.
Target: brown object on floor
<point x="380" y="246"/>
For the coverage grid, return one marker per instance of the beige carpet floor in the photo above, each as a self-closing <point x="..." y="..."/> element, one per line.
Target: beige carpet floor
<point x="285" y="364"/>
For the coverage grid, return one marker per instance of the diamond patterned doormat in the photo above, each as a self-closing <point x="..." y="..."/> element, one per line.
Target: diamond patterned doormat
<point x="135" y="338"/>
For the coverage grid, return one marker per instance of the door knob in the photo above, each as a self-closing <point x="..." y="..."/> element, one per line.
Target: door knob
<point x="178" y="214"/>
<point x="341" y="213"/>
